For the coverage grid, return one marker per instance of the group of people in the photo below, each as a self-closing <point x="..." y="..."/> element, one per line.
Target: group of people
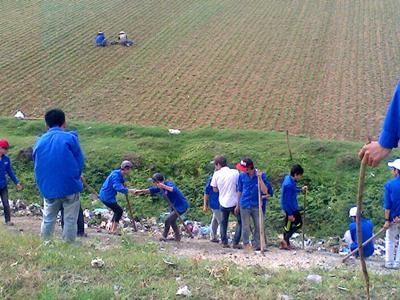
<point x="59" y="162"/>
<point x="101" y="40"/>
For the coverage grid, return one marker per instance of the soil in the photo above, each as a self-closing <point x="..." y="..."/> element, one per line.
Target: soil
<point x="199" y="249"/>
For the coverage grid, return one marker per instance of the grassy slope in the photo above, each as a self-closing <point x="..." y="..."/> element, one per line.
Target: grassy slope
<point x="30" y="269"/>
<point x="331" y="168"/>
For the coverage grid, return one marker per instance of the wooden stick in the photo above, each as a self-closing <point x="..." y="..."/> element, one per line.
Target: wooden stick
<point x="304" y="216"/>
<point x="363" y="244"/>
<point x="261" y="217"/>
<point x="130" y="212"/>
<point x="361" y="180"/>
<point x="287" y="141"/>
<point x="91" y="190"/>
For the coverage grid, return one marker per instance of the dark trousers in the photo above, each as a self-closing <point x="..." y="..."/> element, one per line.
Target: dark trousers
<point x="291" y="227"/>
<point x="170" y="221"/>
<point x="223" y="227"/>
<point x="6" y="204"/>
<point x="118" y="211"/>
<point x="80" y="222"/>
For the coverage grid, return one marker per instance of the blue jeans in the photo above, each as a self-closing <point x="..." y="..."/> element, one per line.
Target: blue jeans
<point x="71" y="204"/>
<point x="247" y="214"/>
<point x="224" y="226"/>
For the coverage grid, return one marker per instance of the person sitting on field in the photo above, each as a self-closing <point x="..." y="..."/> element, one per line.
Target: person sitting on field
<point x="123" y="39"/>
<point x="101" y="40"/>
<point x="367" y="230"/>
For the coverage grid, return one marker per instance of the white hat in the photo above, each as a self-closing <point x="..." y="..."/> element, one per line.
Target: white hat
<point x="394" y="164"/>
<point x="353" y="212"/>
<point x="121" y="32"/>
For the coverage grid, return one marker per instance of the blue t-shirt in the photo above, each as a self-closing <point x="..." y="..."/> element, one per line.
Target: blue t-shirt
<point x="58" y="163"/>
<point x="248" y="186"/>
<point x="392" y="197"/>
<point x="213" y="200"/>
<point x="113" y="184"/>
<point x="289" y="195"/>
<point x="367" y="230"/>
<point x="176" y="197"/>
<point x="100" y="39"/>
<point x="390" y="134"/>
<point x="5" y="168"/>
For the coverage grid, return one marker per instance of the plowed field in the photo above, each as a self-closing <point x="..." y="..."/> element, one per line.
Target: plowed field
<point x="314" y="67"/>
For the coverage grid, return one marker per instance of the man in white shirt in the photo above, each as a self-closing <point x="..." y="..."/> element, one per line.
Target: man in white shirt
<point x="225" y="182"/>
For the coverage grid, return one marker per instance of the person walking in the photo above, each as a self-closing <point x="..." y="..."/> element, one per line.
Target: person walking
<point x="58" y="165"/>
<point x="391" y="205"/>
<point x="374" y="152"/>
<point x="6" y="168"/>
<point x="116" y="182"/>
<point x="289" y="204"/>
<point x="175" y="198"/>
<point x="248" y="199"/>
<point x="225" y="182"/>
<point x="211" y="200"/>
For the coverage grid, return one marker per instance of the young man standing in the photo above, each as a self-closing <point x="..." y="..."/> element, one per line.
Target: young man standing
<point x="289" y="204"/>
<point x="115" y="183"/>
<point x="177" y="201"/>
<point x="211" y="200"/>
<point x="225" y="182"/>
<point x="58" y="165"/>
<point x="5" y="168"/>
<point x="248" y="199"/>
<point x="392" y="216"/>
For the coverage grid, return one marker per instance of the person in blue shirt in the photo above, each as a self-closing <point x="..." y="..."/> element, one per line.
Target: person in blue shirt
<point x="101" y="40"/>
<point x="373" y="153"/>
<point x="367" y="230"/>
<point x="58" y="165"/>
<point x="211" y="200"/>
<point x="6" y="168"/>
<point x="391" y="204"/>
<point x="248" y="199"/>
<point x="289" y="204"/>
<point x="177" y="201"/>
<point x="115" y="183"/>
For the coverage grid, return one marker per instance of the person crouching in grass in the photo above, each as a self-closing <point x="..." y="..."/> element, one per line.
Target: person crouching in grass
<point x="176" y="200"/>
<point x="115" y="183"/>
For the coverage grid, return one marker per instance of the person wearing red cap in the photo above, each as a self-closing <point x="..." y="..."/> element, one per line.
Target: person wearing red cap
<point x="5" y="168"/>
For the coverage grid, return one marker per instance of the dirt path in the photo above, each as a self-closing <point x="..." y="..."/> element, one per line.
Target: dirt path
<point x="203" y="249"/>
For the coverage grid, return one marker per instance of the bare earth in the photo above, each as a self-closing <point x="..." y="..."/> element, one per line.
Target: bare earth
<point x="199" y="249"/>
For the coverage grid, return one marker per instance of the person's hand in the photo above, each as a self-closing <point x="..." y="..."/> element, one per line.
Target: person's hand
<point x="132" y="191"/>
<point x="372" y="153"/>
<point x="236" y="211"/>
<point x="386" y="225"/>
<point x="205" y="208"/>
<point x="304" y="189"/>
<point x="259" y="173"/>
<point x="291" y="218"/>
<point x="19" y="187"/>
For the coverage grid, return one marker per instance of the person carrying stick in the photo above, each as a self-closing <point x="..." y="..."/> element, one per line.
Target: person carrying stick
<point x="289" y="204"/>
<point x="177" y="201"/>
<point x="249" y="182"/>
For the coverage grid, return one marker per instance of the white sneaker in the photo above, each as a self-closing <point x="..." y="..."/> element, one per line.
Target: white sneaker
<point x="389" y="265"/>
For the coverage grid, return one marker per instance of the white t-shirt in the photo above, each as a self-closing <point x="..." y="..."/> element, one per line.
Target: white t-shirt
<point x="226" y="180"/>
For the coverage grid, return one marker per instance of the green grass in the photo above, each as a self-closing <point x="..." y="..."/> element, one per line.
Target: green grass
<point x="31" y="269"/>
<point x="331" y="168"/>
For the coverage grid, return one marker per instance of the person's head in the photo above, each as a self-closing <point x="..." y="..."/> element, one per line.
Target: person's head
<point x="353" y="212"/>
<point x="245" y="165"/>
<point x="219" y="162"/>
<point x="126" y="167"/>
<point x="297" y="172"/>
<point x="157" y="178"/>
<point x="100" y="33"/>
<point x="395" y="166"/>
<point x="55" y="118"/>
<point x="4" y="145"/>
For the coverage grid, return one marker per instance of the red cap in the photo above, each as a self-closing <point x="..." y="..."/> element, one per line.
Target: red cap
<point x="4" y="144"/>
<point x="244" y="164"/>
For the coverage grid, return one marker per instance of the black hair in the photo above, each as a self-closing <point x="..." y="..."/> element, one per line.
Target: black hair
<point x="296" y="170"/>
<point x="54" y="118"/>
<point x="220" y="160"/>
